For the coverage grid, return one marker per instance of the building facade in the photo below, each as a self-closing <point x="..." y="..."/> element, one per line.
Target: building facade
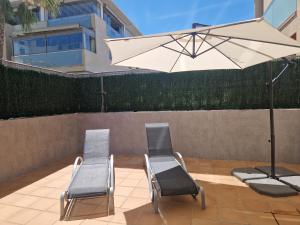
<point x="73" y="40"/>
<point x="281" y="14"/>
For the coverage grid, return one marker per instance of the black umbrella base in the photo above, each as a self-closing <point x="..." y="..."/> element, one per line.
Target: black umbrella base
<point x="287" y="183"/>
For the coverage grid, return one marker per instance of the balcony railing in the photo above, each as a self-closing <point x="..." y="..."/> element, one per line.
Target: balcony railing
<point x="82" y="20"/>
<point x="52" y="59"/>
<point x="280" y="11"/>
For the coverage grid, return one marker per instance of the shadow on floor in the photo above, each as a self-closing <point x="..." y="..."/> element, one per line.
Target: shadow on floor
<point x="88" y="209"/>
<point x="34" y="175"/>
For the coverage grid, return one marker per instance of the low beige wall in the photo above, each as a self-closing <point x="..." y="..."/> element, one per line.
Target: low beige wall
<point x="220" y="134"/>
<point x="26" y="144"/>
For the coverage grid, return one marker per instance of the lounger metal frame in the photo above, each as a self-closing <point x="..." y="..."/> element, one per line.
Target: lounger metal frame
<point x="154" y="188"/>
<point x="65" y="210"/>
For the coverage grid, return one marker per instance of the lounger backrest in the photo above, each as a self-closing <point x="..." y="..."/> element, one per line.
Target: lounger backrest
<point x="96" y="144"/>
<point x="159" y="139"/>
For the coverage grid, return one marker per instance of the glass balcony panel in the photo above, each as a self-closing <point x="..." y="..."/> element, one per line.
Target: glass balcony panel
<point x="29" y="46"/>
<point x="82" y="20"/>
<point x="279" y="11"/>
<point x="64" y="42"/>
<point x="53" y="59"/>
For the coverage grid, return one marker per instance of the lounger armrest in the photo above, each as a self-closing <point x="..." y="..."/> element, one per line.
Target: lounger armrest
<point x="111" y="175"/>
<point x="181" y="160"/>
<point x="77" y="164"/>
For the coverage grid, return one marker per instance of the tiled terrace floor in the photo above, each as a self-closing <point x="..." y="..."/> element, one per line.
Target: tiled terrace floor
<point x="33" y="199"/>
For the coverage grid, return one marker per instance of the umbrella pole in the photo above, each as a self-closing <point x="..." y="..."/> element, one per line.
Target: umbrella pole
<point x="271" y="110"/>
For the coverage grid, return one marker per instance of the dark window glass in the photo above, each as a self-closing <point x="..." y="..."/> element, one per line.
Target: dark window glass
<point x="78" y="8"/>
<point x="30" y="46"/>
<point x="90" y="43"/>
<point x="64" y="42"/>
<point x="36" y="13"/>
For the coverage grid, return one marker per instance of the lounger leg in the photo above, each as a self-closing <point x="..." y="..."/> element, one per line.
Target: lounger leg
<point x="202" y="197"/>
<point x="194" y="196"/>
<point x="62" y="205"/>
<point x="111" y="206"/>
<point x="155" y="201"/>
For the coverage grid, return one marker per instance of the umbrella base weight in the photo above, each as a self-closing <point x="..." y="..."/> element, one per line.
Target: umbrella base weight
<point x="279" y="171"/>
<point x="259" y="180"/>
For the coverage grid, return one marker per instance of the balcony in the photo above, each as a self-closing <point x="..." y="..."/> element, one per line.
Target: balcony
<point x="52" y="59"/>
<point x="82" y="20"/>
<point x="280" y="11"/>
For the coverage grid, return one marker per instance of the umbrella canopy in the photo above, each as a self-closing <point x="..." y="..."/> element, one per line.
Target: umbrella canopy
<point x="230" y="46"/>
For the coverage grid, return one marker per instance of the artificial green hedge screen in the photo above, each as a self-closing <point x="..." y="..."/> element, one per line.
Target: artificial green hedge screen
<point x="28" y="93"/>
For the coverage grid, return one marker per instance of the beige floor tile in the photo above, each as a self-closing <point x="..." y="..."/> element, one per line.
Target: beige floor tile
<point x="119" y="200"/>
<point x="11" y="198"/>
<point x="288" y="219"/>
<point x="131" y="203"/>
<point x="198" y="221"/>
<point x="143" y="183"/>
<point x="255" y="218"/>
<point x="7" y="211"/>
<point x="74" y="222"/>
<point x="44" y="218"/>
<point x="26" y="201"/>
<point x="209" y="213"/>
<point x="129" y="182"/>
<point x="23" y="216"/>
<point x="6" y="223"/>
<point x="27" y="189"/>
<point x="94" y="222"/>
<point x="138" y="176"/>
<point x="43" y="204"/>
<point x="42" y="192"/>
<point x="140" y="193"/>
<point x="123" y="191"/>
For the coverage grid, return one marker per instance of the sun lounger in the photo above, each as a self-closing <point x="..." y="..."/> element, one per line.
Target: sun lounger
<point x="166" y="175"/>
<point x="92" y="175"/>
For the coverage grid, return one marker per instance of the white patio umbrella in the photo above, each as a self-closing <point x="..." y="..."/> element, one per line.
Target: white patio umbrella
<point x="231" y="46"/>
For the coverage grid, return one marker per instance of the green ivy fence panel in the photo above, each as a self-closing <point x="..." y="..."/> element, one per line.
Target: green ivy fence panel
<point x="29" y="93"/>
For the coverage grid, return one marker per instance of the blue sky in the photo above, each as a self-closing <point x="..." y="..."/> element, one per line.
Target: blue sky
<point x="155" y="16"/>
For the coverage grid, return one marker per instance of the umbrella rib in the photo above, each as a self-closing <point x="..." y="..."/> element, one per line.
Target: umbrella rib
<point x="180" y="54"/>
<point x="253" y="50"/>
<point x="174" y="50"/>
<point x="249" y="39"/>
<point x="149" y="50"/>
<point x="203" y="40"/>
<point x="176" y="40"/>
<point x="212" y="47"/>
<point x="223" y="53"/>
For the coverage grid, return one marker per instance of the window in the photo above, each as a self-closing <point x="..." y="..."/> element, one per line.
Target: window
<point x="29" y="46"/>
<point x="36" y="13"/>
<point x="78" y="8"/>
<point x="280" y="11"/>
<point x="90" y="43"/>
<point x="64" y="42"/>
<point x="114" y="26"/>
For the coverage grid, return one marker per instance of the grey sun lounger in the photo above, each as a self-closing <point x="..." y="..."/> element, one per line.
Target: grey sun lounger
<point x="166" y="175"/>
<point x="92" y="175"/>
